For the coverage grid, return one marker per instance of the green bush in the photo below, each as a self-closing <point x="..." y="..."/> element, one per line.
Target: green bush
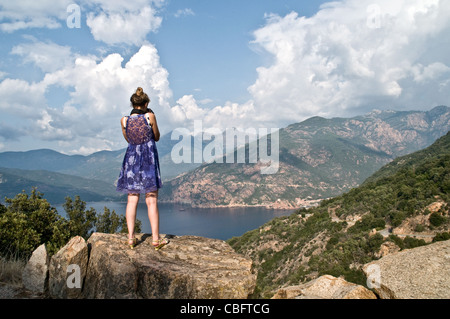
<point x="419" y="228"/>
<point x="27" y="221"/>
<point x="437" y="219"/>
<point x="397" y="218"/>
<point x="411" y="242"/>
<point x="109" y="222"/>
<point x="441" y="236"/>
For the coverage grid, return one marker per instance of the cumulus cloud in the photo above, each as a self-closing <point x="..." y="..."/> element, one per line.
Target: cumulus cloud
<point x="21" y="96"/>
<point x="47" y="56"/>
<point x="129" y="27"/>
<point x="353" y="55"/>
<point x="17" y="15"/>
<point x="111" y="22"/>
<point x="99" y="92"/>
<point x="350" y="57"/>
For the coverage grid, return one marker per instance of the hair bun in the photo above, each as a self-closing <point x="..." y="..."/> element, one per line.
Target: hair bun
<point x="140" y="98"/>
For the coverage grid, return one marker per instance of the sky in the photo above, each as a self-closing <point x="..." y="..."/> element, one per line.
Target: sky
<point x="68" y="68"/>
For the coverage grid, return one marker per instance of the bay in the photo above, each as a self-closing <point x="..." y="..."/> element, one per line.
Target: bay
<point x="178" y="219"/>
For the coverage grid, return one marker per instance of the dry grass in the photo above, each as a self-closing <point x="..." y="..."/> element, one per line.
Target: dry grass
<point x="11" y="270"/>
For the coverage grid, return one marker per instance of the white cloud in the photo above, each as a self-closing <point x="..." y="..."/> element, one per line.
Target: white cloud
<point x="18" y="96"/>
<point x="114" y="27"/>
<point x="431" y="72"/>
<point x="17" y="15"/>
<point x="187" y="109"/>
<point x="184" y="12"/>
<point x="100" y="90"/>
<point x="112" y="22"/>
<point x="101" y="93"/>
<point x="47" y="56"/>
<point x="352" y="55"/>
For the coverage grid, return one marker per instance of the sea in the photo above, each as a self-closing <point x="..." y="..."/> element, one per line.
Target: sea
<point x="181" y="219"/>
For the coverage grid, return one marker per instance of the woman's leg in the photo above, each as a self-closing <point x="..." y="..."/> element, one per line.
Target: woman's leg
<point x="151" y="199"/>
<point x="133" y="200"/>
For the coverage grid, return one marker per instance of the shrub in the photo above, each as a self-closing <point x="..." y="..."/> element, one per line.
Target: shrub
<point x="413" y="242"/>
<point x="82" y="221"/>
<point x="110" y="222"/>
<point x="419" y="228"/>
<point x="441" y="237"/>
<point x="437" y="219"/>
<point x="29" y="221"/>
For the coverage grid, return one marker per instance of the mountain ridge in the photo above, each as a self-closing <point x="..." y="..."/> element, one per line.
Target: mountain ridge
<point x="405" y="204"/>
<point x="55" y="186"/>
<point x="319" y="158"/>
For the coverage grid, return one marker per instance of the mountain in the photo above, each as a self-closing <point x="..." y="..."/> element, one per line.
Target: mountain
<point x="101" y="166"/>
<point x="55" y="186"/>
<point x="318" y="158"/>
<point x="59" y="175"/>
<point x="405" y="204"/>
<point x="95" y="166"/>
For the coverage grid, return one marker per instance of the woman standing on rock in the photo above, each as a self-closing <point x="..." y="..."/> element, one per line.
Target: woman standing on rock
<point x="140" y="173"/>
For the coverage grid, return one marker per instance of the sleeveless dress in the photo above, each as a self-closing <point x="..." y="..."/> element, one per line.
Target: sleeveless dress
<point x="140" y="173"/>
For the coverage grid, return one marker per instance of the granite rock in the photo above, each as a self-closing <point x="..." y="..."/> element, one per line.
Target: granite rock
<point x="418" y="273"/>
<point x="325" y="287"/>
<point x="188" y="267"/>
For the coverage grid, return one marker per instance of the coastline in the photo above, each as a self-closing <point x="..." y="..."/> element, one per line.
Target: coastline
<point x="274" y="206"/>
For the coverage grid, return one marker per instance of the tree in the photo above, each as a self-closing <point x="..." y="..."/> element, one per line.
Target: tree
<point x="110" y="222"/>
<point x="2" y="209"/>
<point x="81" y="221"/>
<point x="437" y="219"/>
<point x="27" y="222"/>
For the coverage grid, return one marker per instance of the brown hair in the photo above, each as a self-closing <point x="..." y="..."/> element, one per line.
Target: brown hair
<point x="139" y="98"/>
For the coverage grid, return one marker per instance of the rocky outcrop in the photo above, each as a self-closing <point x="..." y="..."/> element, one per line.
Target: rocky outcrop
<point x="67" y="269"/>
<point x="35" y="273"/>
<point x="325" y="287"/>
<point x="419" y="273"/>
<point x="191" y="267"/>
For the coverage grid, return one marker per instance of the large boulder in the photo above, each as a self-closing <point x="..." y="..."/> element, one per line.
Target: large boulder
<point x="325" y="287"/>
<point x="189" y="267"/>
<point x="68" y="269"/>
<point x="418" y="273"/>
<point x="35" y="273"/>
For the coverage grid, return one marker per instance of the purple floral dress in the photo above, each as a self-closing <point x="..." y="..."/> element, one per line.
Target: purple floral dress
<point x="140" y="173"/>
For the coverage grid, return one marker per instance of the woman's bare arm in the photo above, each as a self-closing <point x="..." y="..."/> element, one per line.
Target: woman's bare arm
<point x="124" y="132"/>
<point x="154" y="125"/>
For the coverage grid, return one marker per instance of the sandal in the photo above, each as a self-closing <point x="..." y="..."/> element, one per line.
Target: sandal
<point x="132" y="242"/>
<point x="158" y="244"/>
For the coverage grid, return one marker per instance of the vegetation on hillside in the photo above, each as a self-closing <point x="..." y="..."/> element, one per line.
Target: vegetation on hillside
<point x="27" y="221"/>
<point x="337" y="237"/>
<point x="318" y="158"/>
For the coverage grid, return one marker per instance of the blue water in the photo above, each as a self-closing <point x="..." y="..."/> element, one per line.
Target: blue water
<point x="177" y="219"/>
